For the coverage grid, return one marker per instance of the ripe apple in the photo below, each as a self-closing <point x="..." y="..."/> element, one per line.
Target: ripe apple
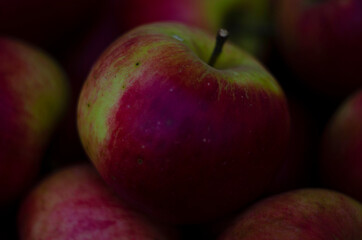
<point x="33" y="95"/>
<point x="341" y="153"/>
<point x="306" y="214"/>
<point x="321" y="41"/>
<point x="74" y="203"/>
<point x="179" y="139"/>
<point x="248" y="21"/>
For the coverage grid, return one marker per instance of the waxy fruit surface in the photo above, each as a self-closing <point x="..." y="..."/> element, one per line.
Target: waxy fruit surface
<point x="181" y="140"/>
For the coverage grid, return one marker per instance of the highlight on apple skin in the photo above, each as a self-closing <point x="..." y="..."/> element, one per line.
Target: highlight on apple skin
<point x="75" y="203"/>
<point x="33" y="97"/>
<point x="180" y="140"/>
<point x="341" y="149"/>
<point x="305" y="214"/>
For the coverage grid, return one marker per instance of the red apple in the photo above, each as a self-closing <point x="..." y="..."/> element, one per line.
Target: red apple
<point x="179" y="139"/>
<point x="74" y="203"/>
<point x="341" y="153"/>
<point x="307" y="214"/>
<point x="33" y="95"/>
<point x="321" y="41"/>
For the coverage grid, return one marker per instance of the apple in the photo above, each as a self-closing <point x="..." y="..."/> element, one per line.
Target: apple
<point x="248" y="21"/>
<point x="74" y="203"/>
<point x="341" y="149"/>
<point x="179" y="139"/>
<point x="305" y="214"/>
<point x="33" y="96"/>
<point x="321" y="41"/>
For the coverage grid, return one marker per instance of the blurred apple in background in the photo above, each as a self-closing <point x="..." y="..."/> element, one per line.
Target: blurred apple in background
<point x="74" y="203"/>
<point x="306" y="214"/>
<point x="321" y="41"/>
<point x="33" y="96"/>
<point x="48" y="24"/>
<point x="341" y="153"/>
<point x="180" y="139"/>
<point x="249" y="22"/>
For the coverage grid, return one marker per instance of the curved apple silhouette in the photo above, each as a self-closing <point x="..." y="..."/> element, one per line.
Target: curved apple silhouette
<point x="179" y="139"/>
<point x="74" y="203"/>
<point x="33" y="95"/>
<point x="321" y="41"/>
<point x="306" y="214"/>
<point x="341" y="153"/>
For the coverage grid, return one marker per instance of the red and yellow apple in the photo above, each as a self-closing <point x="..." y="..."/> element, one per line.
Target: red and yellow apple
<point x="341" y="153"/>
<point x="306" y="214"/>
<point x="74" y="203"/>
<point x="33" y="96"/>
<point x="177" y="138"/>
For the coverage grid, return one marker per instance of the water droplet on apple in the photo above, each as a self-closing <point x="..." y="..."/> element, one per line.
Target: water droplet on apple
<point x="178" y="38"/>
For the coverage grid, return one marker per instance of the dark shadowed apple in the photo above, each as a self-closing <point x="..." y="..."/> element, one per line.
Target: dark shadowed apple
<point x="341" y="153"/>
<point x="306" y="214"/>
<point x="74" y="203"/>
<point x="321" y="41"/>
<point x="33" y="95"/>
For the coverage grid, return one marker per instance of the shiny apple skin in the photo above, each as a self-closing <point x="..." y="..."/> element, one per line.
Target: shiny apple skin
<point x="180" y="140"/>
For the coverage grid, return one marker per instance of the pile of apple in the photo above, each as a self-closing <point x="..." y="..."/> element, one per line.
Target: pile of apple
<point x="181" y="119"/>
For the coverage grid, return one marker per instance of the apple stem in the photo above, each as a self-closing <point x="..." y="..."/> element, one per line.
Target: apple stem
<point x="221" y="37"/>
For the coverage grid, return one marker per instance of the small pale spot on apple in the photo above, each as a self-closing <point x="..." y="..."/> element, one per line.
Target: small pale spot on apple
<point x="128" y="106"/>
<point x="178" y="38"/>
<point x="171" y="89"/>
<point x="143" y="146"/>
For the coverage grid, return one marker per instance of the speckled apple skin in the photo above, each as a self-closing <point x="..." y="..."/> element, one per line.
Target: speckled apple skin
<point x="341" y="150"/>
<point x="178" y="139"/>
<point x="33" y="95"/>
<point x="75" y="203"/>
<point x="322" y="43"/>
<point x="306" y="214"/>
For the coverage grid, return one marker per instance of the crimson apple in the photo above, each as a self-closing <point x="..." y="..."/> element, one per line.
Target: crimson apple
<point x="341" y="153"/>
<point x="179" y="139"/>
<point x="74" y="203"/>
<point x="33" y="96"/>
<point x="306" y="214"/>
<point x="321" y="41"/>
